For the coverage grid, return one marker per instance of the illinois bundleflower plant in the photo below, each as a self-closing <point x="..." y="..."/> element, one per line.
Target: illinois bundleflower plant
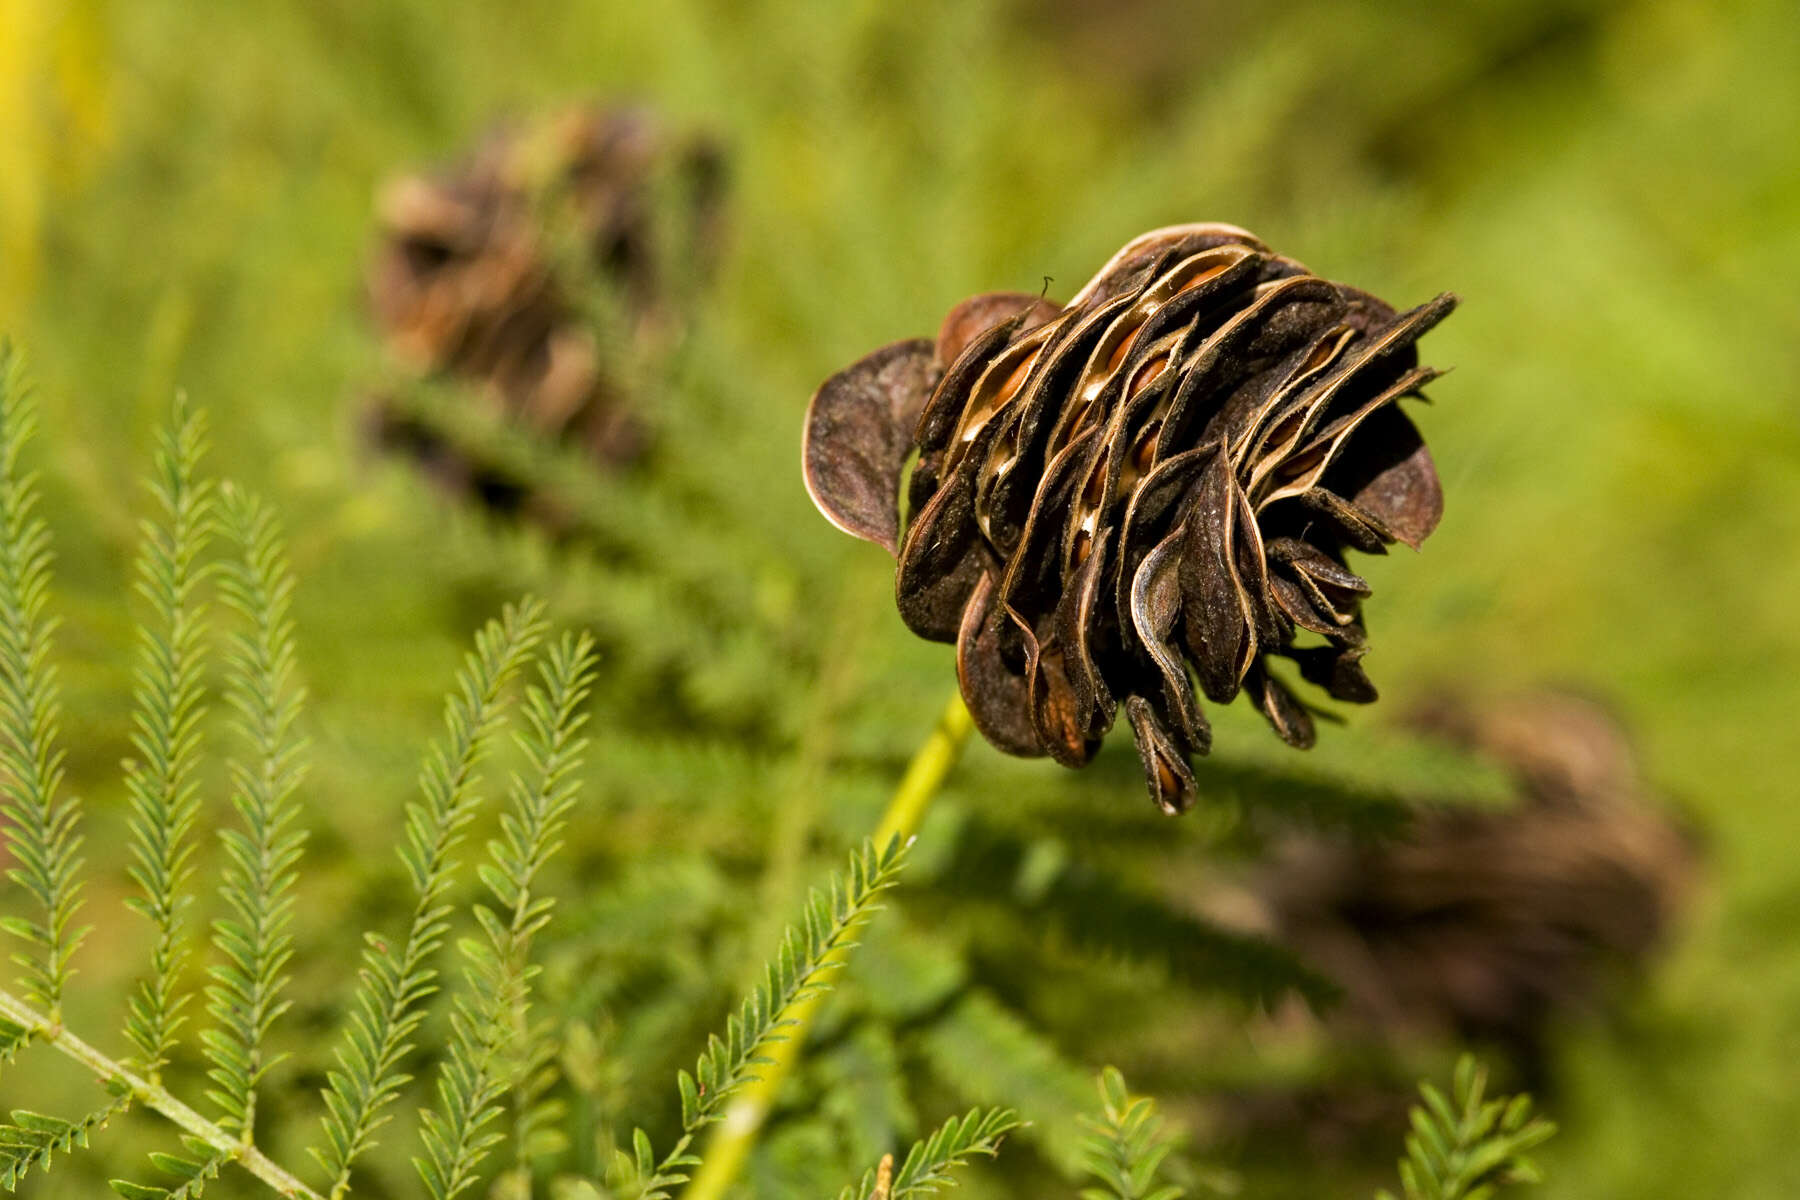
<point x="1154" y="485"/>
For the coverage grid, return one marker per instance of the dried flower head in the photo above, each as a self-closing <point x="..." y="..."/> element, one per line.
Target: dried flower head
<point x="548" y="268"/>
<point x="1495" y="924"/>
<point x="1154" y="484"/>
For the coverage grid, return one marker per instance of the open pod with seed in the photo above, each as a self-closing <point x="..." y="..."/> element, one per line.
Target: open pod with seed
<point x="1146" y="491"/>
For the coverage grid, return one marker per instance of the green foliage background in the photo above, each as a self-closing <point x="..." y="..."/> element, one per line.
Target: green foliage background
<point x="1613" y="187"/>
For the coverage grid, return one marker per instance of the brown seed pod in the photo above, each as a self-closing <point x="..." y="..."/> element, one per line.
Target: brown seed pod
<point x="1152" y="485"/>
<point x="550" y="267"/>
<point x="1496" y="924"/>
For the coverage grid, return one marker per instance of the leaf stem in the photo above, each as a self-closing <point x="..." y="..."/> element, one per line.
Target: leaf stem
<point x="745" y="1115"/>
<point x="926" y="773"/>
<point x="155" y="1096"/>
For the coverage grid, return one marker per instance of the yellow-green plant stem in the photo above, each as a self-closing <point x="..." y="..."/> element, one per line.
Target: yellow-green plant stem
<point x="153" y="1095"/>
<point x="743" y="1120"/>
<point x="926" y="773"/>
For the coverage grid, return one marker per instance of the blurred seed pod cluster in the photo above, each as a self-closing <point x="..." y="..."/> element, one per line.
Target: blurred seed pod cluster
<point x="1153" y="485"/>
<point x="550" y="274"/>
<point x="1493" y="925"/>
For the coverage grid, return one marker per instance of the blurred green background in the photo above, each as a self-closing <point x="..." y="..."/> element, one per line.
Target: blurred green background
<point x="1612" y="187"/>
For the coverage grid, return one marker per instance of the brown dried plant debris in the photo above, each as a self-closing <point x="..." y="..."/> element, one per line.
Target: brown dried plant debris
<point x="1156" y="483"/>
<point x="552" y="270"/>
<point x="1492" y="926"/>
<point x="1495" y="925"/>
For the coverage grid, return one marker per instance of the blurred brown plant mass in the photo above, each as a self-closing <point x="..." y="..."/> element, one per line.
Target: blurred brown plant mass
<point x="1164" y="474"/>
<point x="552" y="271"/>
<point x="1494" y="925"/>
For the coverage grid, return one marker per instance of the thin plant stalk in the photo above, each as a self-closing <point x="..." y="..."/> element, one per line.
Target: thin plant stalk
<point x="747" y="1112"/>
<point x="231" y="1146"/>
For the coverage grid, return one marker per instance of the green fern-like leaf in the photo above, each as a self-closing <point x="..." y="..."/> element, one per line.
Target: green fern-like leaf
<point x="397" y="979"/>
<point x="169" y="693"/>
<point x="191" y="1175"/>
<point x="1126" y="1145"/>
<point x="33" y="1139"/>
<point x="929" y="1163"/>
<point x="664" y="573"/>
<point x="1467" y="1147"/>
<point x="14" y="1037"/>
<point x="531" y="1066"/>
<point x="244" y="998"/>
<point x="808" y="957"/>
<point x="42" y="828"/>
<point x="989" y="1053"/>
<point x="538" y="1114"/>
<point x="492" y="1011"/>
<point x="802" y="970"/>
<point x="861" y="1083"/>
<point x="1102" y="913"/>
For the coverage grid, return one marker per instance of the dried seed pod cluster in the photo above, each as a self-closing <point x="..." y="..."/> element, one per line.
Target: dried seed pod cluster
<point x="1153" y="485"/>
<point x="548" y="268"/>
<point x="1495" y="924"/>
